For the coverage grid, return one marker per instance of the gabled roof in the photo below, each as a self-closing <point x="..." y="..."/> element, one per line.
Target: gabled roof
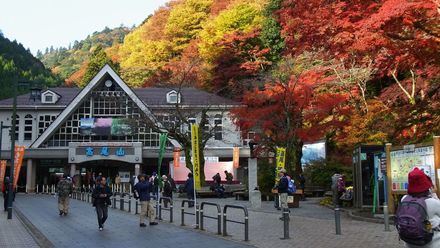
<point x="150" y="96"/>
<point x="84" y="94"/>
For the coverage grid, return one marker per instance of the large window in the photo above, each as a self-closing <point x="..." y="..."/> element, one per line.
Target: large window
<point x="218" y="127"/>
<point x="28" y="119"/>
<point x="17" y="126"/>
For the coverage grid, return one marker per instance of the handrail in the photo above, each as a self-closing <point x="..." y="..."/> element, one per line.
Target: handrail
<point x="182" y="222"/>
<point x="219" y="215"/>
<point x="170" y="209"/>
<point x="245" y="223"/>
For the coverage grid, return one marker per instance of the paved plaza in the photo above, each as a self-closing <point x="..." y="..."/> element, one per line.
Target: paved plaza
<point x="311" y="226"/>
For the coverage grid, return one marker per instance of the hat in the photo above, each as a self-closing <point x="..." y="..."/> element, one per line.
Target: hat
<point x="283" y="170"/>
<point x="418" y="182"/>
<point x="164" y="177"/>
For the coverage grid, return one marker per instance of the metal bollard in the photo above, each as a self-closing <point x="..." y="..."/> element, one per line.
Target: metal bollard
<point x="121" y="204"/>
<point x="197" y="216"/>
<point x="129" y="204"/>
<point x="136" y="206"/>
<point x="386" y="218"/>
<point x="224" y="224"/>
<point x="246" y="228"/>
<point x="286" y="219"/>
<point x="160" y="211"/>
<point x="114" y="203"/>
<point x="338" y="220"/>
<point x="171" y="212"/>
<point x="182" y="219"/>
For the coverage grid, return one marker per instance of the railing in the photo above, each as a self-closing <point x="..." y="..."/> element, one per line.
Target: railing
<point x="219" y="216"/>
<point x="122" y="202"/>
<point x="170" y="209"/>
<point x="245" y="223"/>
<point x="182" y="211"/>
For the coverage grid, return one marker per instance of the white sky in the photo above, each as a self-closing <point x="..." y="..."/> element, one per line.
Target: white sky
<point x="38" y="24"/>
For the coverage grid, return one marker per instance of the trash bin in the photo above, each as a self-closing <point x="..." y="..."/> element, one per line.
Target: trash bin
<point x="293" y="200"/>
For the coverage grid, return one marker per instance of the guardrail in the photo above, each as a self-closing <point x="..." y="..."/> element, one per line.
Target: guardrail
<point x="219" y="216"/>
<point x="182" y="211"/>
<point x="245" y="223"/>
<point x="170" y="209"/>
<point x="122" y="202"/>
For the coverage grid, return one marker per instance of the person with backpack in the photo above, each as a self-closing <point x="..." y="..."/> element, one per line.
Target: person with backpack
<point x="64" y="189"/>
<point x="418" y="215"/>
<point x="283" y="189"/>
<point x="291" y="188"/>
<point x="101" y="200"/>
<point x="143" y="188"/>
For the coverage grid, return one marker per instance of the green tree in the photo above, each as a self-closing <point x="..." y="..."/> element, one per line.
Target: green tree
<point x="96" y="61"/>
<point x="271" y="31"/>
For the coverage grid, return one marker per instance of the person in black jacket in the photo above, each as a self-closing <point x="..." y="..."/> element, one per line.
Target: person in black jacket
<point x="101" y="200"/>
<point x="189" y="188"/>
<point x="282" y="187"/>
<point x="167" y="190"/>
<point x="143" y="189"/>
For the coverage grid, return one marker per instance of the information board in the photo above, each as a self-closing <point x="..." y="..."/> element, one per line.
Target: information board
<point x="403" y="161"/>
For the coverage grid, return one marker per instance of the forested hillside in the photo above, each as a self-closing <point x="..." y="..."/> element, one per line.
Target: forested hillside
<point x="358" y="71"/>
<point x="65" y="61"/>
<point x="17" y="63"/>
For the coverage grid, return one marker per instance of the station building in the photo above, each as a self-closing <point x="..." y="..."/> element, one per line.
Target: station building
<point x="101" y="128"/>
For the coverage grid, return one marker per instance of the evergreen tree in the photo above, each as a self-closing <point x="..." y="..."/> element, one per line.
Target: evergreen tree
<point x="96" y="61"/>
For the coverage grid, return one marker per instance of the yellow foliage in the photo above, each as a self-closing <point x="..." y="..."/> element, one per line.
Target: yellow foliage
<point x="243" y="15"/>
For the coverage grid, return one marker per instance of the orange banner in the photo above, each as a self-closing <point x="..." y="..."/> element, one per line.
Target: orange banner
<point x="236" y="157"/>
<point x="18" y="161"/>
<point x="2" y="172"/>
<point x="176" y="156"/>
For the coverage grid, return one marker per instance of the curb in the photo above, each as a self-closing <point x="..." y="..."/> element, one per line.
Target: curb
<point x="371" y="220"/>
<point x="38" y="236"/>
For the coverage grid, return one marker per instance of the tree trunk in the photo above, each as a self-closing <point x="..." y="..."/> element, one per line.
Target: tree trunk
<point x="293" y="157"/>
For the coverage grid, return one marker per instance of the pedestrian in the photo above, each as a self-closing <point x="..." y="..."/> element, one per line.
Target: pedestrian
<point x="167" y="191"/>
<point x="92" y="180"/>
<point x="335" y="190"/>
<point x="418" y="215"/>
<point x="283" y="187"/>
<point x="143" y="189"/>
<point x="172" y="182"/>
<point x="341" y="189"/>
<point x="64" y="189"/>
<point x="189" y="188"/>
<point x="229" y="177"/>
<point x="217" y="180"/>
<point x="5" y="191"/>
<point x="155" y="181"/>
<point x="101" y="200"/>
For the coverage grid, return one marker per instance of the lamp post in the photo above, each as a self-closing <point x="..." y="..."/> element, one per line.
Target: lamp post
<point x="13" y="128"/>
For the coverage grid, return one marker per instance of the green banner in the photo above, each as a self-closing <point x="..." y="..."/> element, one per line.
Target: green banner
<point x="162" y="145"/>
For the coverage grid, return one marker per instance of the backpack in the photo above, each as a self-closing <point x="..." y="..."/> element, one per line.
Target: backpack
<point x="412" y="221"/>
<point x="291" y="188"/>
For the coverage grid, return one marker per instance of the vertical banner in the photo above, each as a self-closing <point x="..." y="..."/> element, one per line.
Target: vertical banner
<point x="195" y="155"/>
<point x="18" y="161"/>
<point x="281" y="161"/>
<point x="176" y="157"/>
<point x="2" y="172"/>
<point x="162" y="146"/>
<point x="236" y="156"/>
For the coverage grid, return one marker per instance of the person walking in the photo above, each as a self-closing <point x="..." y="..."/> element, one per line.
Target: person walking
<point x="283" y="187"/>
<point x="167" y="191"/>
<point x="101" y="200"/>
<point x="189" y="188"/>
<point x="172" y="182"/>
<point x="118" y="183"/>
<point x="64" y="189"/>
<point x="143" y="189"/>
<point x="422" y="207"/>
<point x="5" y="191"/>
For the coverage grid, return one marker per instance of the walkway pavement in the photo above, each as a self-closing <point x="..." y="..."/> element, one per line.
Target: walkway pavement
<point x="80" y="229"/>
<point x="13" y="233"/>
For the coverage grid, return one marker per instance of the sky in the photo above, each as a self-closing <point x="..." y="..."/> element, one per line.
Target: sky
<point x="38" y="24"/>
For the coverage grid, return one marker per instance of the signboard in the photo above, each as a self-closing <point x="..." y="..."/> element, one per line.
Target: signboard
<point x="281" y="161"/>
<point x="383" y="164"/>
<point x="107" y="126"/>
<point x="2" y="172"/>
<point x="195" y="155"/>
<point x="176" y="157"/>
<point x="236" y="156"/>
<point x="18" y="161"/>
<point x="125" y="176"/>
<point x="403" y="161"/>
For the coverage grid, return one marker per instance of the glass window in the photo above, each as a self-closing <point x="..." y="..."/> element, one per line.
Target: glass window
<point x="48" y="98"/>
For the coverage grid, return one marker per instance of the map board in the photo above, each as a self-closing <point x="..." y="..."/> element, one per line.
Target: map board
<point x="403" y="161"/>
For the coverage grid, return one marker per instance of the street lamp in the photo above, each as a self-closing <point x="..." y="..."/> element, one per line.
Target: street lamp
<point x="13" y="128"/>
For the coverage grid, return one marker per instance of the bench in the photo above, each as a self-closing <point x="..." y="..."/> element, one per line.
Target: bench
<point x="243" y="195"/>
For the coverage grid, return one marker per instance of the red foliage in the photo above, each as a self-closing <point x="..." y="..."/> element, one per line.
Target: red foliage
<point x="242" y="57"/>
<point x="394" y="33"/>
